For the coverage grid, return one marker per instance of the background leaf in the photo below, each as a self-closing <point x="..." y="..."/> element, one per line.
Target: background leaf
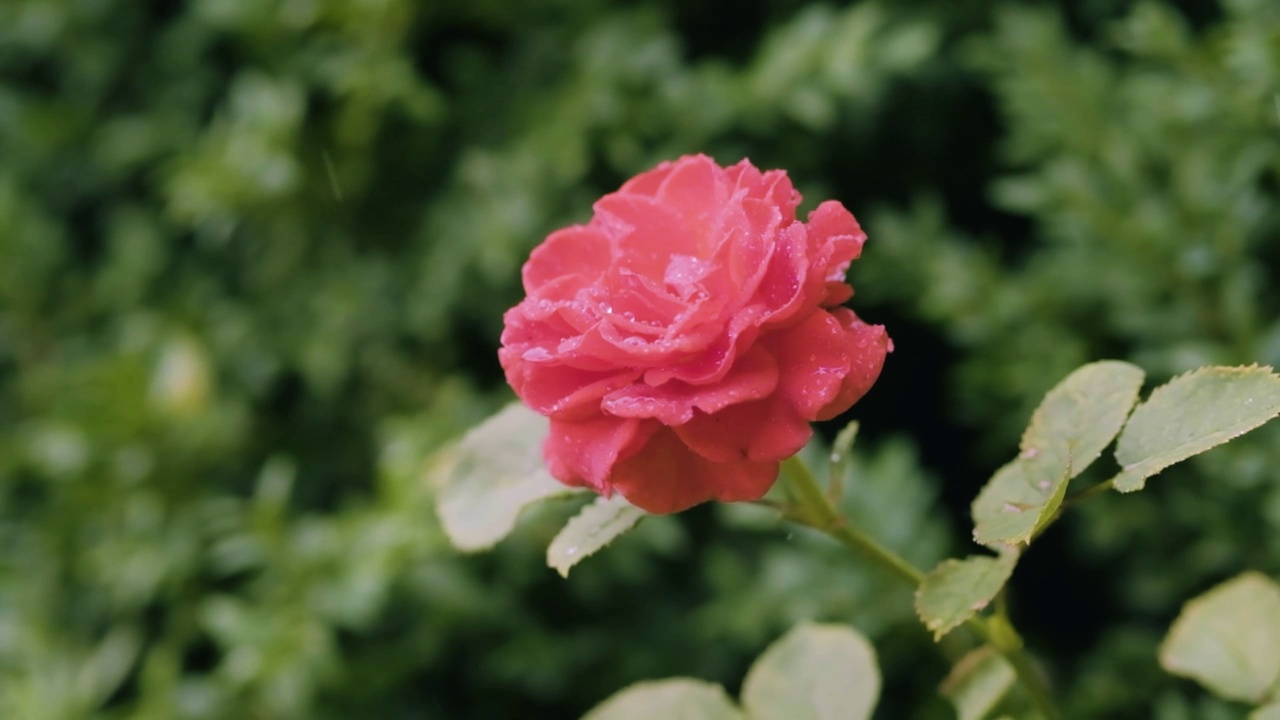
<point x="1270" y="712"/>
<point x="1191" y="414"/>
<point x="977" y="683"/>
<point x="957" y="590"/>
<point x="596" y="526"/>
<point x="497" y="471"/>
<point x="674" y="699"/>
<point x="814" y="672"/>
<point x="1228" y="639"/>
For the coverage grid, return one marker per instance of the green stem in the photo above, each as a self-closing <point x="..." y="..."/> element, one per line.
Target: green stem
<point x="1088" y="493"/>
<point x="820" y="514"/>
<point x="814" y="509"/>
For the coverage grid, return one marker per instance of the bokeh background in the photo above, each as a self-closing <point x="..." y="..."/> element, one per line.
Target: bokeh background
<point x="254" y="256"/>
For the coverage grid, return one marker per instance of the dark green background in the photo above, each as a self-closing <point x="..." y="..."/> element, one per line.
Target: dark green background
<point x="254" y="256"/>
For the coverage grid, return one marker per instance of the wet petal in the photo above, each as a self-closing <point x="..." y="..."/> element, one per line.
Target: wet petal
<point x="584" y="452"/>
<point x="665" y="476"/>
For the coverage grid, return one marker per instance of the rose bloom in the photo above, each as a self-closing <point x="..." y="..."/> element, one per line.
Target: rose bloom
<point x="682" y="341"/>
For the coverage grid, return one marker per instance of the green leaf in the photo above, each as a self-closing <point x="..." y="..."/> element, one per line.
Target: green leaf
<point x="1269" y="712"/>
<point x="1228" y="639"/>
<point x="676" y="699"/>
<point x="1191" y="414"/>
<point x="1022" y="497"/>
<point x="1076" y="420"/>
<point x="977" y="683"/>
<point x="1084" y="411"/>
<point x="840" y="451"/>
<point x="497" y="471"/>
<point x="814" y="672"/>
<point x="588" y="531"/>
<point x="957" y="590"/>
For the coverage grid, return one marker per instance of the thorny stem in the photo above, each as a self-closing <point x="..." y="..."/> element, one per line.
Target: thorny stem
<point x="813" y="508"/>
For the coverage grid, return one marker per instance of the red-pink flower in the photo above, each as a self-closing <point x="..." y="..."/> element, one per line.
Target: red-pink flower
<point x="682" y="341"/>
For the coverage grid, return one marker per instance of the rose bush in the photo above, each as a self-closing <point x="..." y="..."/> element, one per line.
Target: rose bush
<point x="682" y="341"/>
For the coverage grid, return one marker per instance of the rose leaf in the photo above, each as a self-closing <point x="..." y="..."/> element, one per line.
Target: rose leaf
<point x="977" y="683"/>
<point x="1269" y="712"/>
<point x="1228" y="639"/>
<point x="1021" y="497"/>
<point x="496" y="471"/>
<point x="675" y="698"/>
<point x="1191" y="414"/>
<point x="1076" y="420"/>
<point x="956" y="590"/>
<point x="590" y="530"/>
<point x="814" y="672"/>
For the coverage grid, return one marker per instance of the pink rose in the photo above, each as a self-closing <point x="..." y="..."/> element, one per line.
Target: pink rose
<point x="682" y="341"/>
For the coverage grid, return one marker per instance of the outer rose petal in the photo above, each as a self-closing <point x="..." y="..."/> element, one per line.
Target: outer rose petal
<point x="575" y="250"/>
<point x="764" y="430"/>
<point x="584" y="452"/>
<point x="813" y="359"/>
<point x="665" y="476"/>
<point x="870" y="345"/>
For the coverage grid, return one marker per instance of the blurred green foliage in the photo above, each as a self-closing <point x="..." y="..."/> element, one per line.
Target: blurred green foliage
<point x="253" y="260"/>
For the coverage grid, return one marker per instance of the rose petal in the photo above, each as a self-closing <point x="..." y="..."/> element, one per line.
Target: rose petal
<point x="665" y="476"/>
<point x="646" y="234"/>
<point x="764" y="430"/>
<point x="782" y="289"/>
<point x="813" y="359"/>
<point x="753" y="376"/>
<point x="561" y="391"/>
<point x="583" y="453"/>
<point x="870" y="344"/>
<point x="576" y="250"/>
<point x="695" y="192"/>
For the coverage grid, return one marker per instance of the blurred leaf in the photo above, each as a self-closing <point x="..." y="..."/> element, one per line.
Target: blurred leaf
<point x="1270" y="712"/>
<point x="814" y="672"/>
<point x="497" y="471"/>
<point x="676" y="698"/>
<point x="957" y="590"/>
<point x="977" y="683"/>
<point x="841" y="448"/>
<point x="590" y="530"/>
<point x="1228" y="639"/>
<point x="1191" y="414"/>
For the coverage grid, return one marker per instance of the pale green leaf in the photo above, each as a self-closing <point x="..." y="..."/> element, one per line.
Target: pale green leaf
<point x="1022" y="497"/>
<point x="588" y="531"/>
<point x="1269" y="712"/>
<point x="1076" y="420"/>
<point x="1084" y="411"/>
<point x="814" y="672"/>
<point x="956" y="590"/>
<point x="840" y="451"/>
<point x="497" y="470"/>
<point x="673" y="699"/>
<point x="1191" y="414"/>
<point x="978" y="683"/>
<point x="1228" y="639"/>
